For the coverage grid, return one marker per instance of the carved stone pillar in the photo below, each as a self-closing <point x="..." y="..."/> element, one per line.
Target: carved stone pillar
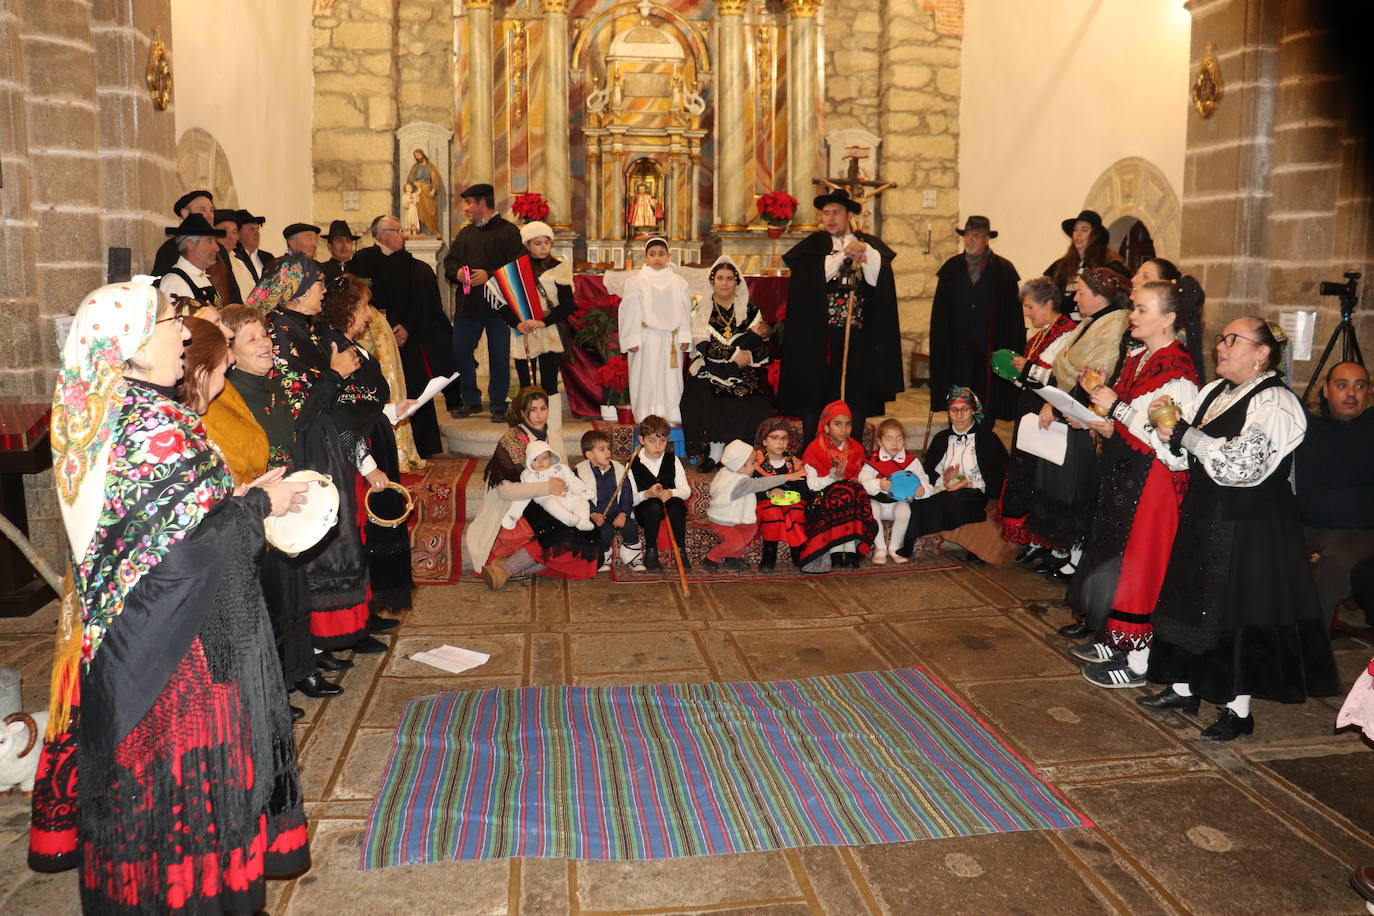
<point x="618" y="154"/>
<point x="732" y="174"/>
<point x="802" y="140"/>
<point x="479" y="161"/>
<point x="594" y="187"/>
<point x="557" y="182"/>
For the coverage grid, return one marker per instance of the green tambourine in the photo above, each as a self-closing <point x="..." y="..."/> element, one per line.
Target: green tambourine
<point x="1002" y="365"/>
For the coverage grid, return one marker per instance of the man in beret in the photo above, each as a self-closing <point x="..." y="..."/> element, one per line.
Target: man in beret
<point x="813" y="339"/>
<point x="340" y="242"/>
<point x="197" y="246"/>
<point x="487" y="242"/>
<point x="250" y="237"/>
<point x="976" y="311"/>
<point x="302" y="238"/>
<point x="228" y="222"/>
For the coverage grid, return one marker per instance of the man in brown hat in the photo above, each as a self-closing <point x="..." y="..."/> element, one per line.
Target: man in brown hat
<point x="814" y="340"/>
<point x="976" y="311"/>
<point x="340" y="241"/>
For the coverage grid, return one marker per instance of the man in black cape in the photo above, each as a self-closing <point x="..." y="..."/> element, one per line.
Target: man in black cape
<point x="405" y="290"/>
<point x="976" y="311"/>
<point x="813" y="338"/>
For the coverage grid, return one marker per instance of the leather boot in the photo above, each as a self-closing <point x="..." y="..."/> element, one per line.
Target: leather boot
<point x="651" y="559"/>
<point x="769" y="560"/>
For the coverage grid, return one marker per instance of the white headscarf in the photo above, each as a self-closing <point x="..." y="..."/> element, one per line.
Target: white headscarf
<point x="701" y="312"/>
<point x="663" y="289"/>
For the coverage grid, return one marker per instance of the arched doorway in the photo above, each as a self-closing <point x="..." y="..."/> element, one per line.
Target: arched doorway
<point x="1136" y="189"/>
<point x="1132" y="238"/>
<point x="201" y="163"/>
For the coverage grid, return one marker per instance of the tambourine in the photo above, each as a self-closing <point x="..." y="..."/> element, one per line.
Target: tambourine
<point x="784" y="497"/>
<point x="397" y="522"/>
<point x="904" y="485"/>
<point x="296" y="532"/>
<point x="1002" y="365"/>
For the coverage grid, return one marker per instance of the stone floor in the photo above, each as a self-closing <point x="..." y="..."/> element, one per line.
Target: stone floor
<point x="1268" y="824"/>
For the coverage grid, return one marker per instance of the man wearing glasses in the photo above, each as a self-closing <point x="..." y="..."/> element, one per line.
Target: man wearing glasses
<point x="405" y="290"/>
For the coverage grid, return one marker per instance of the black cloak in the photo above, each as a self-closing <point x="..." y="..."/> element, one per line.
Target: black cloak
<point x="967" y="322"/>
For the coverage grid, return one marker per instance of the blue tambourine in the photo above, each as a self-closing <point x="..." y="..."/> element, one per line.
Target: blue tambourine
<point x="904" y="485"/>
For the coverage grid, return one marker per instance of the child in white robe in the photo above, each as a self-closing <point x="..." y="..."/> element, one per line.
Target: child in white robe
<point x="655" y="332"/>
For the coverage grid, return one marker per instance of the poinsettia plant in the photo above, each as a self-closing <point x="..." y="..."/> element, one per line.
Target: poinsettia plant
<point x="615" y="380"/>
<point x="597" y="327"/>
<point x="530" y="206"/>
<point x="777" y="208"/>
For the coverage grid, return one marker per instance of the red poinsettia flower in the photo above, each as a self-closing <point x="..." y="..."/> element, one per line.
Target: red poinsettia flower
<point x="165" y="444"/>
<point x="530" y="206"/>
<point x="777" y="207"/>
<point x="615" y="374"/>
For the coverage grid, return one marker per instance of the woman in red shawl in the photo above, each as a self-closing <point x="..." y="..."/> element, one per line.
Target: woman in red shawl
<point x="839" y="520"/>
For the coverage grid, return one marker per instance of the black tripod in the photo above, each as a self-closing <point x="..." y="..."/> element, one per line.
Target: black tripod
<point x="1345" y="329"/>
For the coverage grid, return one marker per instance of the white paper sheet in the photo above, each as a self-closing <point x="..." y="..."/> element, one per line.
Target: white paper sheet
<point x="1300" y="325"/>
<point x="436" y="385"/>
<point x="1050" y="444"/>
<point x="451" y="658"/>
<point x="1066" y="405"/>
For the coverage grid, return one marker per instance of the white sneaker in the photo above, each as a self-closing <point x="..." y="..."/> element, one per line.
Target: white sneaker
<point x="879" y="558"/>
<point x="895" y="558"/>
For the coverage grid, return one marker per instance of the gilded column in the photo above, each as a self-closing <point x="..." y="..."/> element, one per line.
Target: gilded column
<point x="557" y="182"/>
<point x="479" y="158"/>
<point x="802" y="141"/>
<point x="732" y="173"/>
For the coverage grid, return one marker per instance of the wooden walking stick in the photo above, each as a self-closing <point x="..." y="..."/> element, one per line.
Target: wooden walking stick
<point x="615" y="494"/>
<point x="677" y="554"/>
<point x="849" y="279"/>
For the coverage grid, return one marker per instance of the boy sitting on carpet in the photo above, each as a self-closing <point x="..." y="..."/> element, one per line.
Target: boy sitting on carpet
<point x="611" y="503"/>
<point x="573" y="508"/>
<point x="734" y="500"/>
<point x="659" y="487"/>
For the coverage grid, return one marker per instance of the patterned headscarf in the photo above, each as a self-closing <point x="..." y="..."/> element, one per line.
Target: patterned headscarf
<point x="967" y="395"/>
<point x="289" y="277"/>
<point x="1108" y="284"/>
<point x="821" y="453"/>
<point x="772" y="425"/>
<point x="112" y="324"/>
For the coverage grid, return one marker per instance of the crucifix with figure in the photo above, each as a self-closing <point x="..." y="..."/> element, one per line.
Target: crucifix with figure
<point x="859" y="187"/>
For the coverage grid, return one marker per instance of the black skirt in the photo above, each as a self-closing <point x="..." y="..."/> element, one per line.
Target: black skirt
<point x="1063" y="496"/>
<point x="710" y="415"/>
<point x="944" y="511"/>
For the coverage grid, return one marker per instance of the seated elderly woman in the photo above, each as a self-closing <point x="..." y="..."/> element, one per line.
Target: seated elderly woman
<point x="538" y="544"/>
<point x="169" y="773"/>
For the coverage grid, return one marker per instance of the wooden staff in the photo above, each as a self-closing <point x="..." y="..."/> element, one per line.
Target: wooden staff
<point x="930" y="418"/>
<point x="615" y="494"/>
<point x="848" y="278"/>
<point x="35" y="559"/>
<point x="677" y="554"/>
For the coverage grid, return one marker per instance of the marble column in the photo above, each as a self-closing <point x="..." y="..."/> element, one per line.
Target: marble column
<point x="802" y="138"/>
<point x="557" y="182"/>
<point x="731" y="168"/>
<point x="479" y="160"/>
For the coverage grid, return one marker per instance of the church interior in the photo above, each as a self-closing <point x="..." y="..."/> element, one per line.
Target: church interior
<point x="1230" y="137"/>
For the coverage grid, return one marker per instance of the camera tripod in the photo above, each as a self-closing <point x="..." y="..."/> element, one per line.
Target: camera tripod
<point x="1345" y="328"/>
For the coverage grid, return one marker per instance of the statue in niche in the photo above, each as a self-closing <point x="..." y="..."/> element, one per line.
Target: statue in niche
<point x="428" y="187"/>
<point x="645" y="211"/>
<point x="410" y="209"/>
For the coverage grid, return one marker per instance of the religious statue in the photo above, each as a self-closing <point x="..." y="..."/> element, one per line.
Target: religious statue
<point x="428" y="188"/>
<point x="644" y="211"/>
<point x="410" y="209"/>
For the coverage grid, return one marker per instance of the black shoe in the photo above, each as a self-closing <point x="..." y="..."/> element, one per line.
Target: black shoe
<point x="768" y="561"/>
<point x="1168" y="699"/>
<point x="734" y="563"/>
<point x="1079" y="629"/>
<point x="328" y="661"/>
<point x="686" y="563"/>
<point x="794" y="554"/>
<point x="316" y="687"/>
<point x="369" y="645"/>
<point x="1031" y="554"/>
<point x="651" y="559"/>
<point x="1228" y="725"/>
<point x="710" y="564"/>
<point x="376" y="623"/>
<point x="463" y="411"/>
<point x="296" y="713"/>
<point x="1063" y="573"/>
<point x="706" y="465"/>
<point x="498" y="417"/>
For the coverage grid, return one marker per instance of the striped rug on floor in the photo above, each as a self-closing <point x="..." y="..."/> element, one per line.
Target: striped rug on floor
<point x="649" y="772"/>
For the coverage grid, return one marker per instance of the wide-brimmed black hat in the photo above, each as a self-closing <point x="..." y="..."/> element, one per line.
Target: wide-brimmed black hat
<point x="1091" y="217"/>
<point x="245" y="218"/>
<point x="478" y="190"/>
<point x="978" y="222"/>
<point x="184" y="200"/>
<point x="299" y="227"/>
<point x="195" y="224"/>
<point x="838" y="196"/>
<point x="229" y="216"/>
<point x="338" y="229"/>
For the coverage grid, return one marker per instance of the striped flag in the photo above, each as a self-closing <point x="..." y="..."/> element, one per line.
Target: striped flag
<point x="514" y="285"/>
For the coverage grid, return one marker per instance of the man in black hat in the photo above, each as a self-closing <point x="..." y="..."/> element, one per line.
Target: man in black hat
<point x="197" y="246"/>
<point x="302" y="238"/>
<point x="250" y="237"/>
<point x="813" y="342"/>
<point x="1088" y="247"/>
<point x="228" y="222"/>
<point x="487" y="242"/>
<point x="406" y="291"/>
<point x="976" y="311"/>
<point x="340" y="241"/>
<point x="200" y="201"/>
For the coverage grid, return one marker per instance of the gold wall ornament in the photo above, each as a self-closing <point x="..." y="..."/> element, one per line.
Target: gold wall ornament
<point x="518" y="61"/>
<point x="1208" y="87"/>
<point x="477" y="4"/>
<point x="159" y="73"/>
<point x="803" y="9"/>
<point x="553" y="6"/>
<point x="731" y="7"/>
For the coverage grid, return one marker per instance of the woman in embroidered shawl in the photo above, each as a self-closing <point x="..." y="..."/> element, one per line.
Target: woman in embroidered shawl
<point x="538" y="544"/>
<point x="368" y="440"/>
<point x="290" y="294"/>
<point x="726" y="394"/>
<point x="169" y="770"/>
<point x="1140" y="486"/>
<point x="839" y="519"/>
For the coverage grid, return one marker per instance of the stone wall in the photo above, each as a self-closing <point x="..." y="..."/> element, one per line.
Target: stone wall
<point x="1276" y="193"/>
<point x="88" y="165"/>
<point x="378" y="64"/>
<point x="889" y="71"/>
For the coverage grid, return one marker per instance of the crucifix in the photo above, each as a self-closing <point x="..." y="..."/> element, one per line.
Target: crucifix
<point x="860" y="188"/>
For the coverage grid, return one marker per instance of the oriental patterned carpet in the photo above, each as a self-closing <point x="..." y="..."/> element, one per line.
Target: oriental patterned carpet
<point x="436" y="524"/>
<point x="660" y="771"/>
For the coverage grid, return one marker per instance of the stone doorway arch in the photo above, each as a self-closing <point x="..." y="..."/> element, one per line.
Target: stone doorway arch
<point x="1136" y="187"/>
<point x="201" y="163"/>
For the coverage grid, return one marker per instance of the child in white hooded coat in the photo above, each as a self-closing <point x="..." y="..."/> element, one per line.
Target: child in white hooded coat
<point x="572" y="508"/>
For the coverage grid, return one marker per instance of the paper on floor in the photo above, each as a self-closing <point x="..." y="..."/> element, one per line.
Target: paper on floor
<point x="452" y="658"/>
